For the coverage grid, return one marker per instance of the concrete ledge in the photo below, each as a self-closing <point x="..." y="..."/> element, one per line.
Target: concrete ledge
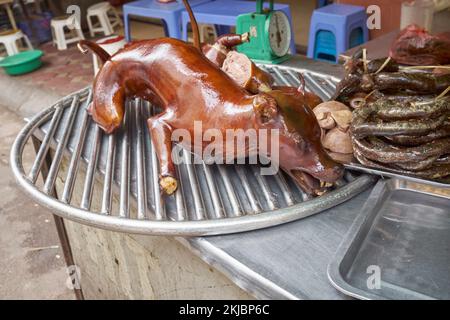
<point x="24" y="99"/>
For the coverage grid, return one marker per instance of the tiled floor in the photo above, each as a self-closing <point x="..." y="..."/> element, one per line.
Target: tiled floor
<point x="64" y="71"/>
<point x="69" y="70"/>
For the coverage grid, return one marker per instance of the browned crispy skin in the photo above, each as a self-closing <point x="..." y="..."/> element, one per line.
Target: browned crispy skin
<point x="188" y="87"/>
<point x="218" y="51"/>
<point x="309" y="98"/>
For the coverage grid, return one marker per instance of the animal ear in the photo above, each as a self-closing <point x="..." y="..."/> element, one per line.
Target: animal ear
<point x="265" y="107"/>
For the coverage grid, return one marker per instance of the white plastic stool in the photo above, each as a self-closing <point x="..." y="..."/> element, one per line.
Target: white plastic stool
<point x="107" y="17"/>
<point x="9" y="40"/>
<point x="60" y="37"/>
<point x="206" y="31"/>
<point x="111" y="45"/>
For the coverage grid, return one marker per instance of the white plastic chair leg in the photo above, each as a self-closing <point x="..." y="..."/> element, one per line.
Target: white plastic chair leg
<point x="11" y="48"/>
<point x="114" y="18"/>
<point x="60" y="39"/>
<point x="78" y="30"/>
<point x="105" y="24"/>
<point x="28" y="42"/>
<point x="91" y="29"/>
<point x="95" y="63"/>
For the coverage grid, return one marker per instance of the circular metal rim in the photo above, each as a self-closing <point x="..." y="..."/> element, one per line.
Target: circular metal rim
<point x="168" y="227"/>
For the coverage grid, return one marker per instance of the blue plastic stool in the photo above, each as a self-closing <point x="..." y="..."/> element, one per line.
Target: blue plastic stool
<point x="170" y="13"/>
<point x="334" y="29"/>
<point x="224" y="13"/>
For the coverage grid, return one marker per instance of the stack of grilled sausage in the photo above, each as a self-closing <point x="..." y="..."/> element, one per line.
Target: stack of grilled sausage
<point x="401" y="120"/>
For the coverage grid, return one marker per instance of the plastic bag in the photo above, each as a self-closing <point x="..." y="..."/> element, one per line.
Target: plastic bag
<point x="415" y="46"/>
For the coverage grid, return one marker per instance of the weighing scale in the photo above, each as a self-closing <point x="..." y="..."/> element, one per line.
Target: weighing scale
<point x="270" y="34"/>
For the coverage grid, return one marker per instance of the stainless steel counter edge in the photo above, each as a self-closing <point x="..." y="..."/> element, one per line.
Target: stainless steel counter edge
<point x="244" y="277"/>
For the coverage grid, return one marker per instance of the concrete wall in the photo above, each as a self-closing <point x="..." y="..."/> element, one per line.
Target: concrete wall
<point x="122" y="266"/>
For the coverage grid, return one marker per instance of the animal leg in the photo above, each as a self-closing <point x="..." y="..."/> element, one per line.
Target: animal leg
<point x="161" y="134"/>
<point x="108" y="105"/>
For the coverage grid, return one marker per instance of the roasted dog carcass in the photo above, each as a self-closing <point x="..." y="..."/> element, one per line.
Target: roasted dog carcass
<point x="188" y="87"/>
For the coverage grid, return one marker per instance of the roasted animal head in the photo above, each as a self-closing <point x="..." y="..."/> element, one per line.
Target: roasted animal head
<point x="300" y="152"/>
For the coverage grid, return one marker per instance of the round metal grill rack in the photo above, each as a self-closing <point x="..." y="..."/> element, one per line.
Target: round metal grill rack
<point x="211" y="199"/>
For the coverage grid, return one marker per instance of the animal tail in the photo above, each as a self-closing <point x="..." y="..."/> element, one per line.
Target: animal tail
<point x="84" y="45"/>
<point x="195" y="32"/>
<point x="302" y="86"/>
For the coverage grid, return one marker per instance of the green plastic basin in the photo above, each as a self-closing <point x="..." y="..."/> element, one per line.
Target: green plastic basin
<point x="22" y="62"/>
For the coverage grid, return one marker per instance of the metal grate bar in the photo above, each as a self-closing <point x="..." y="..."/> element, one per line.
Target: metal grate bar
<point x="282" y="77"/>
<point x="53" y="171"/>
<point x="218" y="211"/>
<point x="281" y="181"/>
<point x="92" y="166"/>
<point x="264" y="188"/>
<point x="74" y="161"/>
<point x="324" y="94"/>
<point x="160" y="212"/>
<point x="36" y="168"/>
<point x="181" y="213"/>
<point x="248" y="191"/>
<point x="140" y="168"/>
<point x="234" y="202"/>
<point x="332" y="84"/>
<point x="125" y="167"/>
<point x="199" y="209"/>
<point x="109" y="175"/>
<point x="179" y="201"/>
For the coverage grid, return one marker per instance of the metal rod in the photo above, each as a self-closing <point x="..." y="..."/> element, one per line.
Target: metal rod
<point x="124" y="204"/>
<point x="59" y="222"/>
<point x="331" y="83"/>
<point x="264" y="188"/>
<point x="34" y="172"/>
<point x="218" y="211"/>
<point x="234" y="202"/>
<point x="54" y="167"/>
<point x="92" y="166"/>
<point x="179" y="198"/>
<point x="160" y="212"/>
<point x="282" y="77"/>
<point x="281" y="181"/>
<point x="325" y="93"/>
<point x="247" y="189"/>
<point x="74" y="161"/>
<point x="199" y="209"/>
<point x="140" y="168"/>
<point x="109" y="175"/>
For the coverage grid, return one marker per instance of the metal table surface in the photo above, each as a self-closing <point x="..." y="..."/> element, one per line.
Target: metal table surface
<point x="284" y="262"/>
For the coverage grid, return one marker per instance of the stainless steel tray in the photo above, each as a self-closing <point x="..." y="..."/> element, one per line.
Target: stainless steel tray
<point x="402" y="235"/>
<point x="386" y="173"/>
<point x="212" y="199"/>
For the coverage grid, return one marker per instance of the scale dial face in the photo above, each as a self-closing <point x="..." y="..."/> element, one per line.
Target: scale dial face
<point x="279" y="33"/>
